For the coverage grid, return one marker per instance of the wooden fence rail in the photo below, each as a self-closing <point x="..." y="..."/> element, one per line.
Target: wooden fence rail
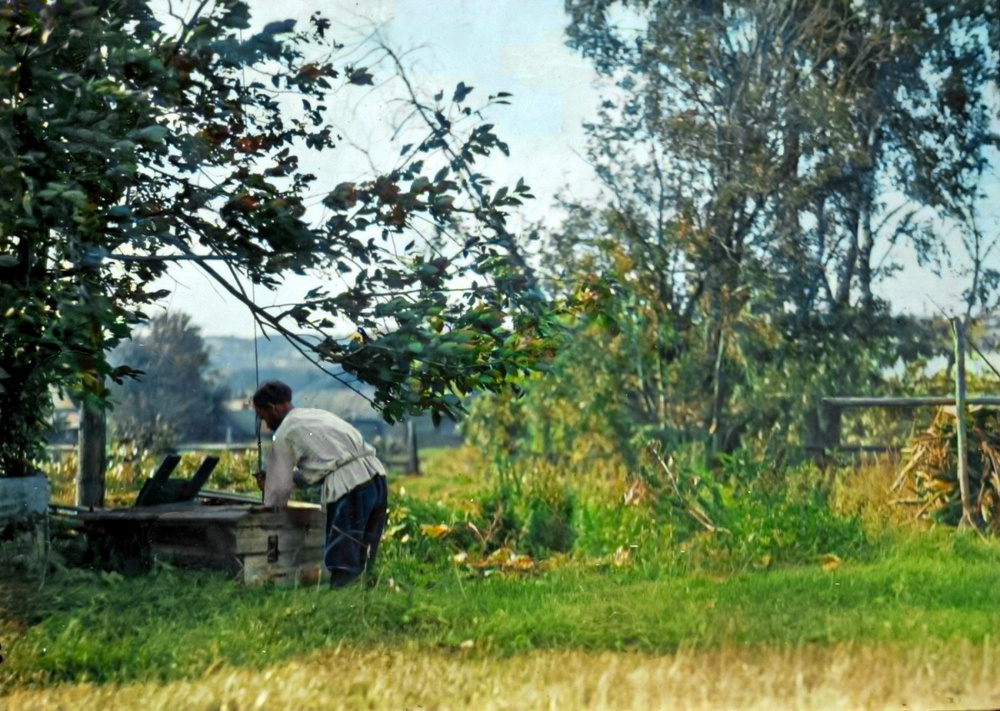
<point x="823" y="429"/>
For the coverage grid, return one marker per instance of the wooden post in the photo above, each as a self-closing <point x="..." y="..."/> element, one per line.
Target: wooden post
<point x="412" y="460"/>
<point x="92" y="437"/>
<point x="960" y="429"/>
<point x="92" y="460"/>
<point x="829" y="420"/>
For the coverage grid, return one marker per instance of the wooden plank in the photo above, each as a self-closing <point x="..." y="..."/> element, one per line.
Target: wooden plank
<point x="298" y="515"/>
<point x="150" y="513"/>
<point x="219" y="537"/>
<point x="254" y="539"/>
<point x="904" y="402"/>
<point x="186" y="557"/>
<point x="150" y="490"/>
<point x="257" y="570"/>
<point x="201" y="476"/>
<point x="201" y="515"/>
<point x="309" y="555"/>
<point x="229" y="497"/>
<point x="216" y="538"/>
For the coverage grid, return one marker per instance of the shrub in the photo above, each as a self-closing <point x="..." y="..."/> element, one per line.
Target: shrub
<point x="548" y="524"/>
<point x="773" y="520"/>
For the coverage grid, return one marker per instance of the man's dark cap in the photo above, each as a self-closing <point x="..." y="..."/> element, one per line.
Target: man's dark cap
<point x="273" y="392"/>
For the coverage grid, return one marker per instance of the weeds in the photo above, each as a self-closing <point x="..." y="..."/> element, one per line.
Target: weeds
<point x="789" y="561"/>
<point x="177" y="624"/>
<point x="127" y="470"/>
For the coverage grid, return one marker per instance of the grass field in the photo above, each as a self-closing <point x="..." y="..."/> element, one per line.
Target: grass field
<point x="959" y="676"/>
<point x="910" y="624"/>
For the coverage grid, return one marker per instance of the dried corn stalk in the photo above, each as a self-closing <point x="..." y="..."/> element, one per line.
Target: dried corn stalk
<point x="931" y="471"/>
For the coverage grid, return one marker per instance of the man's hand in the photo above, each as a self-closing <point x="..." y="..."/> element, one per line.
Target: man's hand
<point x="259" y="478"/>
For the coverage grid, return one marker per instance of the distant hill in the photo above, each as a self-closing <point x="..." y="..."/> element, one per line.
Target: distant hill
<point x="232" y="360"/>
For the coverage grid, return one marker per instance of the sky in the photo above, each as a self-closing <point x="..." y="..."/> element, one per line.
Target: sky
<point x="497" y="45"/>
<point x="492" y="45"/>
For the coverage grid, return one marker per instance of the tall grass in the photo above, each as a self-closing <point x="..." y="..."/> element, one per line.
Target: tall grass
<point x="127" y="471"/>
<point x="455" y="586"/>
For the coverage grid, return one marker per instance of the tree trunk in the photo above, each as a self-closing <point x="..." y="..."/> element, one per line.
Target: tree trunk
<point x="92" y="460"/>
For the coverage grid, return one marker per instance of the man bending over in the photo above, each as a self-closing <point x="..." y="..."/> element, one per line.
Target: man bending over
<point x="313" y="446"/>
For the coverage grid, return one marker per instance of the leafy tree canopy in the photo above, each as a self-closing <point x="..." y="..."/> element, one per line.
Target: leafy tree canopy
<point x="763" y="161"/>
<point x="128" y="144"/>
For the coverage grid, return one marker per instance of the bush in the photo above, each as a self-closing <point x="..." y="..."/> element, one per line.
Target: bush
<point x="784" y="517"/>
<point x="604" y="528"/>
<point x="548" y="524"/>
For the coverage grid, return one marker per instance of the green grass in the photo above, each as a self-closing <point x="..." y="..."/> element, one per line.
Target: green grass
<point x="449" y="475"/>
<point x="898" y="586"/>
<point x="929" y="588"/>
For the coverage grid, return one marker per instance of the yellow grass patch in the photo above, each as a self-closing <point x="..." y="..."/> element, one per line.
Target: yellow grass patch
<point x="828" y="678"/>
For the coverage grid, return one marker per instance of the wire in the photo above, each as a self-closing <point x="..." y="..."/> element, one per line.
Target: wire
<point x="256" y="373"/>
<point x="981" y="355"/>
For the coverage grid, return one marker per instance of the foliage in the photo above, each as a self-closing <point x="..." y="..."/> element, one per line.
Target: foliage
<point x="130" y="143"/>
<point x="640" y="577"/>
<point x="749" y="509"/>
<point x="129" y="468"/>
<point x="761" y="161"/>
<point x="173" y="399"/>
<point x="932" y="470"/>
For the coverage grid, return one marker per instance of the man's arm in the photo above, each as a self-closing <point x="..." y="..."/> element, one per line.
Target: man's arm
<point x="279" y="481"/>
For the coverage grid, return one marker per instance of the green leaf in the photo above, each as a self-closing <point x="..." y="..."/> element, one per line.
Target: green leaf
<point x="461" y="91"/>
<point x="361" y="77"/>
<point x="153" y="134"/>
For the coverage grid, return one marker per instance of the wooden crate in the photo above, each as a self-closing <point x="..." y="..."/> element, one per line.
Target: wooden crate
<point x="252" y="543"/>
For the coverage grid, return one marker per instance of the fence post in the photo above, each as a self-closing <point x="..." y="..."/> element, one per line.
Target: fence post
<point x="829" y="418"/>
<point x="960" y="429"/>
<point x="92" y="455"/>
<point x="412" y="460"/>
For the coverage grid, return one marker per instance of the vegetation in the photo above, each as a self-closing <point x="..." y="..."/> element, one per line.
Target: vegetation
<point x="128" y="469"/>
<point x="806" y="678"/>
<point x="174" y="400"/>
<point x="95" y="629"/>
<point x="932" y="471"/>
<point x="133" y="140"/>
<point x="649" y="491"/>
<point x="447" y="579"/>
<point x="761" y="160"/>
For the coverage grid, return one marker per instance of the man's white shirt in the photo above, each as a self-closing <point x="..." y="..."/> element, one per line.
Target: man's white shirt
<point x="311" y="446"/>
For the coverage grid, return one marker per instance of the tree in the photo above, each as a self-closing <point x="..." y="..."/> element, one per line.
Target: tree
<point x="175" y="398"/>
<point x="128" y="145"/>
<point x="763" y="159"/>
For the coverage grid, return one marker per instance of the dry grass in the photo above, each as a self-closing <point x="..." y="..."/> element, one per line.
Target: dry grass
<point x="867" y="491"/>
<point x="959" y="676"/>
